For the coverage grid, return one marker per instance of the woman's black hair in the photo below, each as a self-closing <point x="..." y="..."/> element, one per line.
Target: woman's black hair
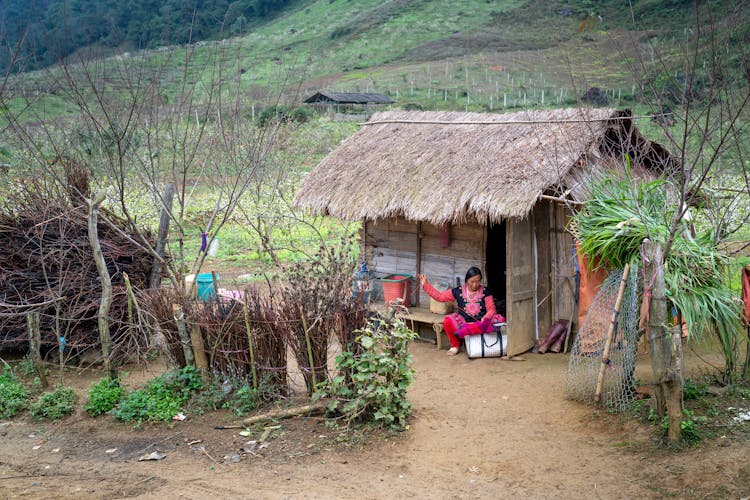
<point x="473" y="271"/>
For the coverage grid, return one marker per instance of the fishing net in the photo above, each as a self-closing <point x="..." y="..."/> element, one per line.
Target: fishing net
<point x="586" y="355"/>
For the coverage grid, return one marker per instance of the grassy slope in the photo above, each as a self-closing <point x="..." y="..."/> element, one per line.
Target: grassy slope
<point x="429" y="52"/>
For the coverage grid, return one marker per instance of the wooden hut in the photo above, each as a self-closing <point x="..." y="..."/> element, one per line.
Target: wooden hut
<point x="438" y="192"/>
<point x="347" y="102"/>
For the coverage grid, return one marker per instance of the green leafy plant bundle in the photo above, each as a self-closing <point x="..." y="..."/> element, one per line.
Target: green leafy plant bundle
<point x="103" y="396"/>
<point x="611" y="227"/>
<point x="372" y="384"/>
<point x="13" y="394"/>
<point x="56" y="404"/>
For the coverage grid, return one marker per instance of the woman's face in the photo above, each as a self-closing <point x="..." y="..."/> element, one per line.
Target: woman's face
<point x="474" y="283"/>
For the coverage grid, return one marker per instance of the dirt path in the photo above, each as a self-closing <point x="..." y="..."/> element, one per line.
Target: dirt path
<point x="482" y="429"/>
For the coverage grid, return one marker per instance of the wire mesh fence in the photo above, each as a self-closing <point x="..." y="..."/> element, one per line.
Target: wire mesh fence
<point x="586" y="356"/>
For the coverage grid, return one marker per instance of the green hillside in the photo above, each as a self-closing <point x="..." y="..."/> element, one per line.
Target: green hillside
<point x="465" y="54"/>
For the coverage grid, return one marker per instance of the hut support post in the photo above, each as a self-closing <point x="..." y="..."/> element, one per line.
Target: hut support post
<point x="665" y="346"/>
<point x="35" y="341"/>
<point x="419" y="263"/>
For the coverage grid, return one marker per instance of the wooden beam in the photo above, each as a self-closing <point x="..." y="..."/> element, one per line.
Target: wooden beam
<point x="564" y="201"/>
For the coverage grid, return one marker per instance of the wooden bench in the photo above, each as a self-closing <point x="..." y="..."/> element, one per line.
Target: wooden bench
<point x="419" y="315"/>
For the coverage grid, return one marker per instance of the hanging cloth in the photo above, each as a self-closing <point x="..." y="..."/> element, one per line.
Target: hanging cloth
<point x="746" y="295"/>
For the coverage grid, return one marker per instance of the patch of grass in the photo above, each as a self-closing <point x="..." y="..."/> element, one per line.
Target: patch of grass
<point x="103" y="396"/>
<point x="13" y="395"/>
<point x="55" y="405"/>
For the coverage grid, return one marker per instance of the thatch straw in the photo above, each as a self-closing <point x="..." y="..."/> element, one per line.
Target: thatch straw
<point x="444" y="166"/>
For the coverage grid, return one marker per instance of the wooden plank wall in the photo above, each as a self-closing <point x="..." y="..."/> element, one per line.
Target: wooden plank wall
<point x="564" y="266"/>
<point x="390" y="246"/>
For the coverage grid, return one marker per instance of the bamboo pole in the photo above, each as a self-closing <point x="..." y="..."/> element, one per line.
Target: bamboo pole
<point x="251" y="350"/>
<point x="310" y="409"/>
<point x="309" y="348"/>
<point x="611" y="333"/>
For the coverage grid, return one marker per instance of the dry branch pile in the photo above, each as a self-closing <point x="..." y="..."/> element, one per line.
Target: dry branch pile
<point x="46" y="264"/>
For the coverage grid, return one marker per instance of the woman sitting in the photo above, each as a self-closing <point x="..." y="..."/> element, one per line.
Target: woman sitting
<point x="476" y="308"/>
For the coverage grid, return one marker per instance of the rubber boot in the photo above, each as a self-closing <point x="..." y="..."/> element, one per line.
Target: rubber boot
<point x="558" y="344"/>
<point x="554" y="333"/>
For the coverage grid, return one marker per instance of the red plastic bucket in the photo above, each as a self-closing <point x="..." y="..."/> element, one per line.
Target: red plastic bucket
<point x="397" y="286"/>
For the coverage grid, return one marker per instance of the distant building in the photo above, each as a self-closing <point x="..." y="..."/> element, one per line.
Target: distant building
<point x="348" y="104"/>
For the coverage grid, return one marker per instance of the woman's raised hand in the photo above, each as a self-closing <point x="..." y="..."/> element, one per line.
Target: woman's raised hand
<point x="422" y="279"/>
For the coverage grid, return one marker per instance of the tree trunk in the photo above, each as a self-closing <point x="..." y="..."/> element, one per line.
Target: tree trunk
<point x="161" y="238"/>
<point x="104" y="277"/>
<point x="35" y="343"/>
<point x="665" y="344"/>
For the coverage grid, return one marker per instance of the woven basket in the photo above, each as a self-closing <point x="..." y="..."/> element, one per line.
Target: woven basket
<point x="397" y="286"/>
<point x="441" y="307"/>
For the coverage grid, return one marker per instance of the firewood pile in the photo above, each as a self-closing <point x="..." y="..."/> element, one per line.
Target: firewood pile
<point x="47" y="265"/>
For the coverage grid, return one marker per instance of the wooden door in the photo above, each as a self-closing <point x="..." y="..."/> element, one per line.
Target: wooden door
<point x="544" y="296"/>
<point x="520" y="285"/>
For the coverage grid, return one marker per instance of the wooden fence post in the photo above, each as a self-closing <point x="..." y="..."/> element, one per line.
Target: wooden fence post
<point x="199" y="352"/>
<point x="179" y="317"/>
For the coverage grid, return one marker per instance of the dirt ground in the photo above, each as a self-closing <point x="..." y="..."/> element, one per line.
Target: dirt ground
<point x="481" y="429"/>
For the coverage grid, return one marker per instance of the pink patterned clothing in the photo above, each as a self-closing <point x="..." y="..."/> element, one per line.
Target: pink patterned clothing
<point x="472" y="307"/>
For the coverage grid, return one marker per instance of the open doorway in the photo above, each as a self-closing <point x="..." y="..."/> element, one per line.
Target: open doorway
<point x="495" y="264"/>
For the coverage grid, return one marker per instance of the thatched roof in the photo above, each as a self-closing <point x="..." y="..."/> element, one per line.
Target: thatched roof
<point x="325" y="96"/>
<point x="446" y="166"/>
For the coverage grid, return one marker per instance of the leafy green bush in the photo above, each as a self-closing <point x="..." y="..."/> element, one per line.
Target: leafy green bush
<point x="244" y="401"/>
<point x="103" y="396"/>
<point x="55" y="405"/>
<point x="372" y="384"/>
<point x="284" y="113"/>
<point x="235" y="394"/>
<point x="211" y="397"/>
<point x="162" y="398"/>
<point x="13" y="394"/>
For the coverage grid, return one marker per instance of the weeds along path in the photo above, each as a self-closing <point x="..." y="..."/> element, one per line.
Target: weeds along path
<point x="481" y="429"/>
